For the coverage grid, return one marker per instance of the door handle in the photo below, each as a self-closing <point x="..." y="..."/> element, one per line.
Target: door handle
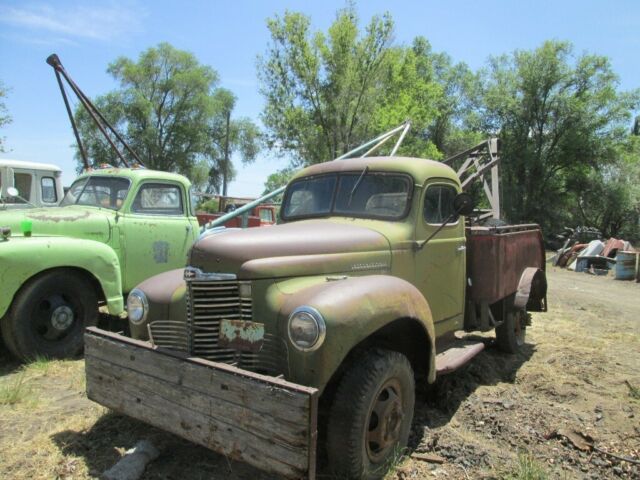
<point x="461" y="248"/>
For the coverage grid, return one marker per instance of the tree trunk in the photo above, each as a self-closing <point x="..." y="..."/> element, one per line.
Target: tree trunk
<point x="225" y="164"/>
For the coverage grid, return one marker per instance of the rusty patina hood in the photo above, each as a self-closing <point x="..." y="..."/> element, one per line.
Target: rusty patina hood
<point x="299" y="248"/>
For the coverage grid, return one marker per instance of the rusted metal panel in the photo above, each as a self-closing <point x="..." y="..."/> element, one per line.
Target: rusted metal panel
<point x="626" y="265"/>
<point x="457" y="355"/>
<point x="264" y="421"/>
<point x="532" y="290"/>
<point x="241" y="335"/>
<point x="497" y="258"/>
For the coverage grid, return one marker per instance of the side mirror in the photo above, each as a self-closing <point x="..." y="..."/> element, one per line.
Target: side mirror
<point x="13" y="192"/>
<point x="463" y="204"/>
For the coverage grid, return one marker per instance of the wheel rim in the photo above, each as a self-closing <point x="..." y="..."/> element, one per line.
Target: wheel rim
<point x="54" y="317"/>
<point x="385" y="421"/>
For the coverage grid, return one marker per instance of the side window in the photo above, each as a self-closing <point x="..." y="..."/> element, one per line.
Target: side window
<point x="158" y="199"/>
<point x="266" y="215"/>
<point x="22" y="182"/>
<point x="438" y="204"/>
<point x="49" y="194"/>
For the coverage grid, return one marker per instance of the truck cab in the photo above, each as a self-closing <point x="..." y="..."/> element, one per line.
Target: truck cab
<point x="363" y="289"/>
<point x="38" y="184"/>
<point x="114" y="228"/>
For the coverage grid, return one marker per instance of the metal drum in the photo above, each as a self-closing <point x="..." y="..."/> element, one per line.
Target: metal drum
<point x="626" y="265"/>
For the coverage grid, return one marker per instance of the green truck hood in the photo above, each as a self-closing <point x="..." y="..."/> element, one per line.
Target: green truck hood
<point x="72" y="221"/>
<point x="308" y="247"/>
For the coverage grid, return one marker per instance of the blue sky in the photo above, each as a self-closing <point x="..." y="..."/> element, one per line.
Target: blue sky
<point x="228" y="36"/>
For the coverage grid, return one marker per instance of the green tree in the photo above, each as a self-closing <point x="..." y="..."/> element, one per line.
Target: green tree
<point x="229" y="136"/>
<point x="277" y="180"/>
<point x="169" y="109"/>
<point x="559" y="117"/>
<point x="322" y="89"/>
<point x="327" y="93"/>
<point x="608" y="198"/>
<point x="5" y="118"/>
<point x="442" y="99"/>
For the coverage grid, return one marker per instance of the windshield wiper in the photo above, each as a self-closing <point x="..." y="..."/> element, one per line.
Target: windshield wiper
<point x="357" y="184"/>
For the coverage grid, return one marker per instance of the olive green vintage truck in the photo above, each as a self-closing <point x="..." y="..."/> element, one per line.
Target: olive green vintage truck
<point x="279" y="345"/>
<point x="114" y="228"/>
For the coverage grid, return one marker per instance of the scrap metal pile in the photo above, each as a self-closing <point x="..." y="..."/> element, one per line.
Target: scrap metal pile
<point x="585" y="251"/>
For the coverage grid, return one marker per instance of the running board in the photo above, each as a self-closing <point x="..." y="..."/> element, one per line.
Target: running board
<point x="457" y="355"/>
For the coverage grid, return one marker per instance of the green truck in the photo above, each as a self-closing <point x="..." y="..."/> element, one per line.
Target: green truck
<point x="114" y="228"/>
<point x="279" y="345"/>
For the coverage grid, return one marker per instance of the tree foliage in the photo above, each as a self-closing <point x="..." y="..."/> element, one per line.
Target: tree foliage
<point x="608" y="198"/>
<point x="277" y="180"/>
<point x="229" y="136"/>
<point x="321" y="89"/>
<point x="169" y="109"/>
<point x="5" y="118"/>
<point x="561" y="121"/>
<point x="328" y="93"/>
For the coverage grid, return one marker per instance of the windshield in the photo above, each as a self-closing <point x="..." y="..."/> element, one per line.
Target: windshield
<point x="104" y="192"/>
<point x="353" y="194"/>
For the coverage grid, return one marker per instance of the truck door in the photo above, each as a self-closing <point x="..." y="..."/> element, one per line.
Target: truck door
<point x="440" y="264"/>
<point x="157" y="232"/>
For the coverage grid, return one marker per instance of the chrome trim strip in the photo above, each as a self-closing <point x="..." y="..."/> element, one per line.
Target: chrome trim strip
<point x="197" y="275"/>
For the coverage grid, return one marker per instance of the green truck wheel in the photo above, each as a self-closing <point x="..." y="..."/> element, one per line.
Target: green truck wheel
<point x="49" y="316"/>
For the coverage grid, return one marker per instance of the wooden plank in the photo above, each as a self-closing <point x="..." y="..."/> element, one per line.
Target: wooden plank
<point x="264" y="421"/>
<point x="290" y="431"/>
<point x="155" y="362"/>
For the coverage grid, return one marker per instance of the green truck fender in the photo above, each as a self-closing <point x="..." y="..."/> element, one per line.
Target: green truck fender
<point x="373" y="310"/>
<point x="21" y="259"/>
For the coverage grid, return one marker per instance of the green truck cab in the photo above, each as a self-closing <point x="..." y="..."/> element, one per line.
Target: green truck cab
<point x="321" y="325"/>
<point x="114" y="228"/>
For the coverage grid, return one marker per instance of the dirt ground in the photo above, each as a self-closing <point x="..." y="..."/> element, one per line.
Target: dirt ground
<point x="495" y="418"/>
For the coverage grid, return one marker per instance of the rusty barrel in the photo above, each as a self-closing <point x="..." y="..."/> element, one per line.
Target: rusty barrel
<point x="626" y="265"/>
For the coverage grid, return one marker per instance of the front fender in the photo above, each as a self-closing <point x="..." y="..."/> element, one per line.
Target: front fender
<point x="23" y="258"/>
<point x="354" y="309"/>
<point x="166" y="296"/>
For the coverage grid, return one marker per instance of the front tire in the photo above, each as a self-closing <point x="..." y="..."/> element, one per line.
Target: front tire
<point x="49" y="315"/>
<point x="371" y="414"/>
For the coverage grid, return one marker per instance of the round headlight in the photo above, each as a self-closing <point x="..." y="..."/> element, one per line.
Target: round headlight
<point x="137" y="306"/>
<point x="306" y="329"/>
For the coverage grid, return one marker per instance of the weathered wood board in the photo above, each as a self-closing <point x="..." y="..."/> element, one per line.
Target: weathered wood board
<point x="261" y="420"/>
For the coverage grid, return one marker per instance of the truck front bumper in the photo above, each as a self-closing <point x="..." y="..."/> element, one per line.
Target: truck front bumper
<point x="261" y="420"/>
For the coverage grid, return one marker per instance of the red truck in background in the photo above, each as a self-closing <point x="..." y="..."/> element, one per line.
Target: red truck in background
<point x="260" y="216"/>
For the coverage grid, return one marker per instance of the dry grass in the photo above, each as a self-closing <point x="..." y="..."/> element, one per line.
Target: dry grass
<point x="15" y="390"/>
<point x="527" y="469"/>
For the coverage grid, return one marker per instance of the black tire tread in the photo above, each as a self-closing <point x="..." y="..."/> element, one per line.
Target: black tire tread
<point x="11" y="322"/>
<point x="350" y="406"/>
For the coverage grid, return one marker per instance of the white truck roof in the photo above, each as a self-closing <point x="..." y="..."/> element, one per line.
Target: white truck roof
<point x="5" y="162"/>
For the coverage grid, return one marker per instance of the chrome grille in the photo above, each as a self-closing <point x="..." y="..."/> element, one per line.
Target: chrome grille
<point x="209" y="302"/>
<point x="170" y="334"/>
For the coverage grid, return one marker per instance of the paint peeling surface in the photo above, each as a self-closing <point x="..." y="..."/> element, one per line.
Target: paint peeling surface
<point x="71" y="221"/>
<point x="241" y="335"/>
<point x="161" y="252"/>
